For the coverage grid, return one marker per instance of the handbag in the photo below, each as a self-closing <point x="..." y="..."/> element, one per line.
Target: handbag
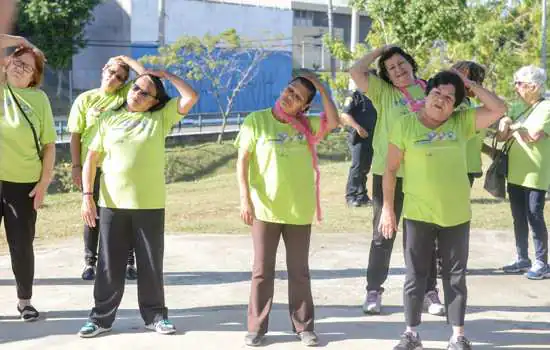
<point x="495" y="178"/>
<point x="34" y="134"/>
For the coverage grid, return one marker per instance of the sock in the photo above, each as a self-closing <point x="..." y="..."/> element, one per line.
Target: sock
<point x="24" y="302"/>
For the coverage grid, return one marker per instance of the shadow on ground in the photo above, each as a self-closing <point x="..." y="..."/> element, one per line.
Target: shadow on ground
<point x="335" y="323"/>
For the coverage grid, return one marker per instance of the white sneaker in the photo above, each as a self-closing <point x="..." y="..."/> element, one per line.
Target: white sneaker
<point x="373" y="302"/>
<point x="433" y="304"/>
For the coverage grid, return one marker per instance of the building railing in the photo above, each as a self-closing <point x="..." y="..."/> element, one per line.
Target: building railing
<point x="198" y="123"/>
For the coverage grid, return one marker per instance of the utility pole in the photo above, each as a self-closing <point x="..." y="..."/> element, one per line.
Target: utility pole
<point x="543" y="37"/>
<point x="354" y="38"/>
<point x="162" y="23"/>
<point x="331" y="35"/>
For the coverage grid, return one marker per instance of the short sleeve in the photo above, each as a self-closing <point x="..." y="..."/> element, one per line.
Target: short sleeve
<point x="545" y="118"/>
<point x="246" y="139"/>
<point x="377" y="89"/>
<point x="467" y="122"/>
<point x="77" y="116"/>
<point x="96" y="144"/>
<point x="170" y="115"/>
<point x="397" y="134"/>
<point x="47" y="132"/>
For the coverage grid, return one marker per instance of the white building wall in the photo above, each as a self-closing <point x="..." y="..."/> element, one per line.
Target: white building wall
<point x="191" y="17"/>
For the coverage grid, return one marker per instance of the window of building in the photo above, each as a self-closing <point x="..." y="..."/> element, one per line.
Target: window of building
<point x="303" y="18"/>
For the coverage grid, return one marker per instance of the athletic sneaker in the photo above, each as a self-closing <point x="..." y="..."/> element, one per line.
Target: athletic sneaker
<point x="90" y="330"/>
<point x="253" y="339"/>
<point x="539" y="271"/>
<point x="409" y="342"/>
<point x="308" y="338"/>
<point x="433" y="305"/>
<point x="460" y="343"/>
<point x="131" y="273"/>
<point x="28" y="313"/>
<point x="517" y="266"/>
<point x="373" y="302"/>
<point x="162" y="327"/>
<point x="88" y="274"/>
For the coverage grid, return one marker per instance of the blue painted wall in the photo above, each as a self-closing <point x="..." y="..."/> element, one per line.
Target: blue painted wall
<point x="274" y="74"/>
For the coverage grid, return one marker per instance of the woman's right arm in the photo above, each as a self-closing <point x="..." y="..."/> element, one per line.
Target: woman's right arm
<point x="388" y="222"/>
<point x="359" y="71"/>
<point x="89" y="210"/>
<point x="247" y="209"/>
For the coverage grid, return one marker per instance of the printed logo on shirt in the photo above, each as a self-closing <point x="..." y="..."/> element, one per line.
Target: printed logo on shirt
<point x="283" y="138"/>
<point x="434" y="136"/>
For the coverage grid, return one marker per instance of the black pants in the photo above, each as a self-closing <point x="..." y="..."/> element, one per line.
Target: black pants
<point x="361" y="160"/>
<point x="472" y="177"/>
<point x="419" y="248"/>
<point x="120" y="229"/>
<point x="381" y="248"/>
<point x="527" y="206"/>
<point x="91" y="234"/>
<point x="16" y="208"/>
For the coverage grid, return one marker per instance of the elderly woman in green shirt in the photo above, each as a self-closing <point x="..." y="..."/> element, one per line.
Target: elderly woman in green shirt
<point x="430" y="146"/>
<point x="131" y="140"/>
<point x="27" y="157"/>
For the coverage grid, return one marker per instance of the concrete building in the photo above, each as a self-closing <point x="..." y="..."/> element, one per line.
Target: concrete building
<point x="292" y="30"/>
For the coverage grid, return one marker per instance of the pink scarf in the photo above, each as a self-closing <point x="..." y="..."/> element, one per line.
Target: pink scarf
<point x="414" y="105"/>
<point x="301" y="124"/>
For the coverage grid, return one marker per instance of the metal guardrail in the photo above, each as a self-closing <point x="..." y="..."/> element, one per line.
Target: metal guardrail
<point x="192" y="124"/>
<point x="198" y="123"/>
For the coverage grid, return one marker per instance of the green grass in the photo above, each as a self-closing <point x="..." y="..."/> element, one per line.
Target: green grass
<point x="207" y="201"/>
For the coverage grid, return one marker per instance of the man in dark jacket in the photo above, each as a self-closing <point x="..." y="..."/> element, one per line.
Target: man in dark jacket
<point x="359" y="116"/>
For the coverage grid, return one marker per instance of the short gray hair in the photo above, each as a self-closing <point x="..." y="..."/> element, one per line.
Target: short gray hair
<point x="531" y="74"/>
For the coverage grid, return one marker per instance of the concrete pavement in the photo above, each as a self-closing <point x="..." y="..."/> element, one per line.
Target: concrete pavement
<point x="207" y="286"/>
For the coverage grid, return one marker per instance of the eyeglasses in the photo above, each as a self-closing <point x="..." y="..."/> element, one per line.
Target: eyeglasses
<point x="112" y="72"/>
<point x="27" y="68"/>
<point x="141" y="92"/>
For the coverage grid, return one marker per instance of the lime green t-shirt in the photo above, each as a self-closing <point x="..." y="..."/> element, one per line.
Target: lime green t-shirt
<point x="280" y="174"/>
<point x="529" y="163"/>
<point x="390" y="105"/>
<point x="473" y="147"/>
<point x="133" y="149"/>
<point x="86" y="109"/>
<point x="436" y="184"/>
<point x="19" y="161"/>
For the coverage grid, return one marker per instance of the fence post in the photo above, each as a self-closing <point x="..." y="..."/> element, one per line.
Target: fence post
<point x="239" y="120"/>
<point x="200" y="123"/>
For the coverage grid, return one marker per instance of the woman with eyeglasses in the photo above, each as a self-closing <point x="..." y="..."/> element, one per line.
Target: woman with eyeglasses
<point x="278" y="181"/>
<point x="131" y="141"/>
<point x="27" y="156"/>
<point x="529" y="171"/>
<point x="82" y="125"/>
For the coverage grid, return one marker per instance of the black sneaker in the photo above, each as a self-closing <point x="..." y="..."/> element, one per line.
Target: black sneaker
<point x="88" y="274"/>
<point x="28" y="313"/>
<point x="461" y="343"/>
<point x="409" y="342"/>
<point x="253" y="339"/>
<point x="131" y="273"/>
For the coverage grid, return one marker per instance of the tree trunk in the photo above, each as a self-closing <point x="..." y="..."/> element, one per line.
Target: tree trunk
<point x="59" y="83"/>
<point x="222" y="129"/>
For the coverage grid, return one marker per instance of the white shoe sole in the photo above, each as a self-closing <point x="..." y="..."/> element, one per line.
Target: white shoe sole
<point x="152" y="327"/>
<point x="95" y="334"/>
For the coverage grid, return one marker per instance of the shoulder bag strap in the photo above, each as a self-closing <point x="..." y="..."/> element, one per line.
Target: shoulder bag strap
<point x="35" y="136"/>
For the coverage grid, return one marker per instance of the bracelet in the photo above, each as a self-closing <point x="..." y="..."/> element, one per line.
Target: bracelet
<point x="87" y="193"/>
<point x="77" y="166"/>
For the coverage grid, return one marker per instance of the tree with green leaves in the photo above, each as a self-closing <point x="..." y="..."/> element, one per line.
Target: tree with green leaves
<point x="226" y="61"/>
<point x="57" y="28"/>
